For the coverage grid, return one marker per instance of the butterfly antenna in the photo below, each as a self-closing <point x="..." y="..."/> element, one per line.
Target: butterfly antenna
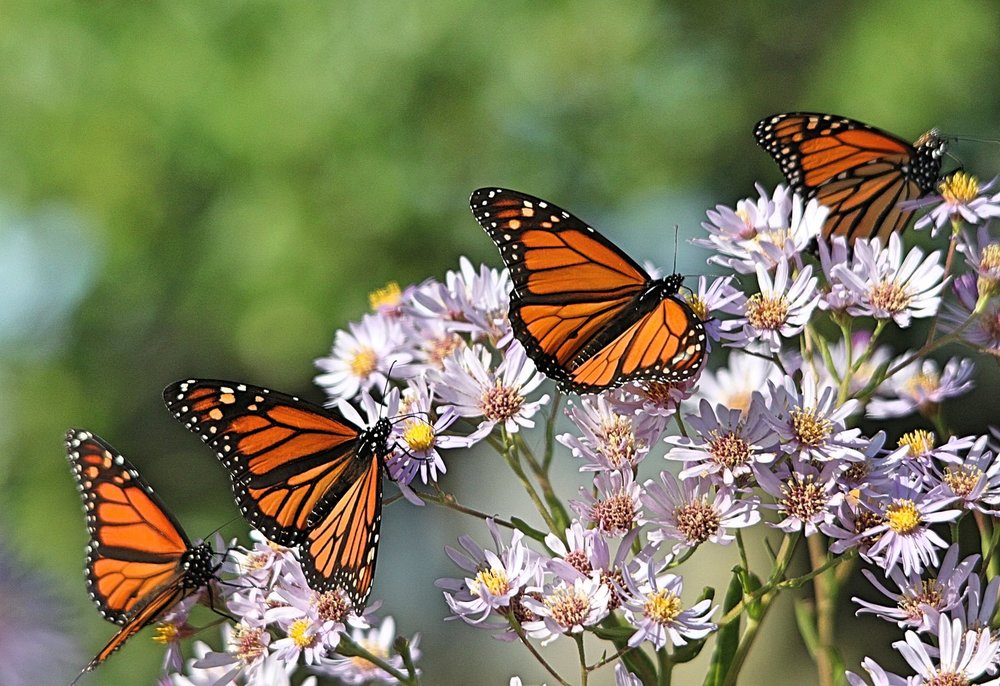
<point x="677" y="230"/>
<point x="971" y="139"/>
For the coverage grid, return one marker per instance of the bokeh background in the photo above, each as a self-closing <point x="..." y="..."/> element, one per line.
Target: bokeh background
<point x="212" y="189"/>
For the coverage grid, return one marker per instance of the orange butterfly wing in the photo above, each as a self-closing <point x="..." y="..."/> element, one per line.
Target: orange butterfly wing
<point x="860" y="172"/>
<point x="283" y="454"/>
<point x="342" y="547"/>
<point x="140" y="562"/>
<point x="579" y="302"/>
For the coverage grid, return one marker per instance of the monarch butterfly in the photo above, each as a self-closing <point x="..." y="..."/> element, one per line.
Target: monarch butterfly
<point x="586" y="313"/>
<point x="858" y="171"/>
<point x="301" y="474"/>
<point x="140" y="563"/>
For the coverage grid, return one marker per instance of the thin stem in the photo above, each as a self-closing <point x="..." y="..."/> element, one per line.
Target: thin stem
<point x="826" y="592"/>
<point x="445" y="499"/>
<point x="550" y="432"/>
<point x="510" y="454"/>
<point x="516" y="625"/>
<point x="608" y="660"/>
<point x="349" y="648"/>
<point x="947" y="271"/>
<point x="584" y="672"/>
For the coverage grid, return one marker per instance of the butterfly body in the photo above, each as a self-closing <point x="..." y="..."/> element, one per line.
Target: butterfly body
<point x="860" y="172"/>
<point x="585" y="312"/>
<point x="301" y="474"/>
<point x="140" y="563"/>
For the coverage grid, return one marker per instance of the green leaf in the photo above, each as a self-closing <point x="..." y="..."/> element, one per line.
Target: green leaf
<point x="527" y="529"/>
<point x="727" y="639"/>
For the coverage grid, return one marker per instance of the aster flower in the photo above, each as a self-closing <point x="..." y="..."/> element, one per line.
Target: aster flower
<point x="312" y="622"/>
<point x="389" y="299"/>
<point x="499" y="579"/>
<point x="246" y="656"/>
<point x="905" y="534"/>
<point x="724" y="444"/>
<point x="878" y="676"/>
<point x="586" y="551"/>
<point x="363" y="356"/>
<point x="470" y="301"/>
<point x="718" y="296"/>
<point x="733" y="386"/>
<point x="836" y="254"/>
<point x="421" y="437"/>
<point x="973" y="479"/>
<point x="609" y="439"/>
<point x="962" y="655"/>
<point x="652" y="604"/>
<point x="885" y="285"/>
<point x="977" y="608"/>
<point x="689" y="514"/>
<point x="982" y="255"/>
<point x="811" y="425"/>
<point x="623" y="677"/>
<point x="567" y="607"/>
<point x="764" y="231"/>
<point x="780" y="310"/>
<point x="615" y="509"/>
<point x="807" y="498"/>
<point x="471" y="387"/>
<point x="984" y="331"/>
<point x="919" y="601"/>
<point x="653" y="398"/>
<point x="358" y="670"/>
<point x="961" y="198"/>
<point x="920" y="386"/>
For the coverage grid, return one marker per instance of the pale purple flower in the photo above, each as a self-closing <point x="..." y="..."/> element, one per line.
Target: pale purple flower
<point x="961" y="656"/>
<point x="984" y="331"/>
<point x="652" y="604"/>
<point x="420" y="437"/>
<point x="710" y="298"/>
<point x="977" y="608"/>
<point x="615" y="509"/>
<point x="762" y="232"/>
<point x="623" y="677"/>
<point x="356" y="670"/>
<point x="659" y="398"/>
<point x="567" y="607"/>
<point x="806" y="499"/>
<point x="920" y="386"/>
<point x="733" y="386"/>
<point x="780" y="310"/>
<point x="878" y="676"/>
<point x="961" y="197"/>
<point x="497" y="578"/>
<point x="835" y="254"/>
<point x="810" y="423"/>
<point x="974" y="478"/>
<point x="905" y="536"/>
<point x="689" y="514"/>
<point x="609" y="439"/>
<point x="723" y="444"/>
<point x="885" y="285"/>
<point x="472" y="387"/>
<point x="470" y="301"/>
<point x="246" y="656"/>
<point x="982" y="254"/>
<point x="919" y="600"/>
<point x="363" y="356"/>
<point x="312" y="622"/>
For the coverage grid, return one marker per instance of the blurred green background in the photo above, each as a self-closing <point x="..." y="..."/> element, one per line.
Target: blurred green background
<point x="212" y="189"/>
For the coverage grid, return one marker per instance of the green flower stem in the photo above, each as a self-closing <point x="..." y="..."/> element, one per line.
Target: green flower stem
<point x="955" y="228"/>
<point x="827" y="590"/>
<point x="666" y="665"/>
<point x="516" y="625"/>
<point x="584" y="672"/>
<point x="511" y="455"/>
<point x="349" y="648"/>
<point x="445" y="499"/>
<point x="781" y="562"/>
<point x="550" y="432"/>
<point x="541" y="472"/>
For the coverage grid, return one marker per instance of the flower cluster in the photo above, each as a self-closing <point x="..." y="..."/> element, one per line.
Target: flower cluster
<point x="778" y="436"/>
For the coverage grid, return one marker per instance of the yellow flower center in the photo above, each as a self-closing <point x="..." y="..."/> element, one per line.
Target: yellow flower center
<point x="962" y="479"/>
<point x="418" y="435"/>
<point x="919" y="442"/>
<point x="663" y="607"/>
<point x="166" y="633"/>
<point x="493" y="580"/>
<point x="959" y="188"/>
<point x="364" y="362"/>
<point x="903" y="516"/>
<point x="811" y="429"/>
<point x="300" y="634"/>
<point x="766" y="312"/>
<point x="889" y="296"/>
<point x="698" y="306"/>
<point x="922" y="384"/>
<point x="388" y="296"/>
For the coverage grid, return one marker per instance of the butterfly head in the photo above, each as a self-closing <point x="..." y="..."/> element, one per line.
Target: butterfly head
<point x="198" y="565"/>
<point x="375" y="439"/>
